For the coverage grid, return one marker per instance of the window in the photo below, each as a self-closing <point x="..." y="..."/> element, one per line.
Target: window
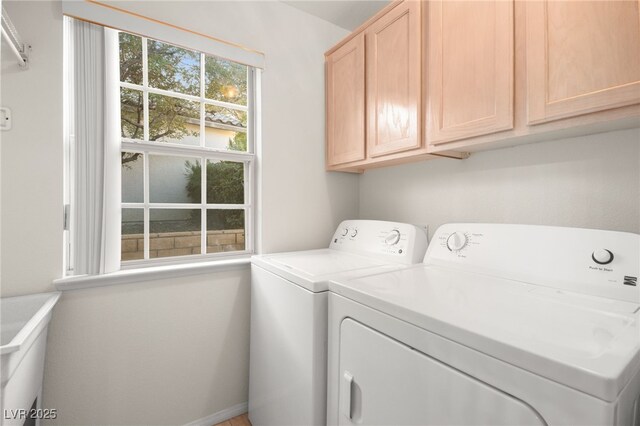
<point x="183" y="111"/>
<point x="159" y="145"/>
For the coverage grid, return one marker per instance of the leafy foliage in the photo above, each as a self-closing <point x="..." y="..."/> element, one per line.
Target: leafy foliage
<point x="225" y="81"/>
<point x="225" y="185"/>
<point x="174" y="69"/>
<point x="238" y="143"/>
<point x="130" y="58"/>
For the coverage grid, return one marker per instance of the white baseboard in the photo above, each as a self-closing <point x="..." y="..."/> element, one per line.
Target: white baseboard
<point x="221" y="415"/>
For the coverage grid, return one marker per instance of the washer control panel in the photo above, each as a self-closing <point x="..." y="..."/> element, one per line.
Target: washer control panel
<point x="398" y="242"/>
<point x="457" y="241"/>
<point x="602" y="256"/>
<point x="594" y="262"/>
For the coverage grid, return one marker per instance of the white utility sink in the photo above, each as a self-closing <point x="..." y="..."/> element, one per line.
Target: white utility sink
<point x="23" y="324"/>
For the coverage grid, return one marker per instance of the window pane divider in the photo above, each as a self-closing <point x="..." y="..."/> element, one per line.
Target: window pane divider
<point x="228" y="206"/>
<point x="203" y="205"/>
<point x="191" y="206"/>
<point x="203" y="165"/>
<point x="202" y="111"/>
<point x="183" y="96"/>
<point x="145" y="93"/>
<point x="133" y="145"/>
<point x="145" y="183"/>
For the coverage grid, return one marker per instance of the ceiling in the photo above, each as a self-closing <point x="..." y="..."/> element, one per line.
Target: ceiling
<point x="348" y="14"/>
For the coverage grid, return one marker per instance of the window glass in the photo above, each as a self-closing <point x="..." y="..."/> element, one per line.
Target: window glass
<point x="174" y="232"/>
<point x="132" y="237"/>
<point x="130" y="58"/>
<point x="132" y="177"/>
<point x="225" y="81"/>
<point x="225" y="230"/>
<point x="225" y="128"/>
<point x="173" y="120"/>
<point x="225" y="182"/>
<point x="173" y="68"/>
<point x="174" y="179"/>
<point x="131" y="113"/>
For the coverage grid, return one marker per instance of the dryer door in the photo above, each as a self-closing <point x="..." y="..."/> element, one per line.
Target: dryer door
<point x="384" y="382"/>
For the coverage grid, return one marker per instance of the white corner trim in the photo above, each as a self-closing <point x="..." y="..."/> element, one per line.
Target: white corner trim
<point x="221" y="415"/>
<point x="127" y="276"/>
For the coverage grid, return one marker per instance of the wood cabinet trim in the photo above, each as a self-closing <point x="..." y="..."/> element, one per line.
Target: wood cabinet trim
<point x="626" y="117"/>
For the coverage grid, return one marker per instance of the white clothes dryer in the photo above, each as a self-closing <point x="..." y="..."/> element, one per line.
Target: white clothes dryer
<point x="501" y="325"/>
<point x="288" y="354"/>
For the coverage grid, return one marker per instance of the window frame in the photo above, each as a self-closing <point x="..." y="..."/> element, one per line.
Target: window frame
<point x="201" y="153"/>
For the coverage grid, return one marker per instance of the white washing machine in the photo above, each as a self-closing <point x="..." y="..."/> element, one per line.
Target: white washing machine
<point x="288" y="356"/>
<point x="501" y="325"/>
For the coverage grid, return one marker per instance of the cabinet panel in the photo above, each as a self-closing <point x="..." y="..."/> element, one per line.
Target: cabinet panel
<point x="470" y="69"/>
<point x="582" y="56"/>
<point x="346" y="103"/>
<point x="393" y="80"/>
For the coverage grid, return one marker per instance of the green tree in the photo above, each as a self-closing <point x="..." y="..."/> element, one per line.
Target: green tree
<point x="225" y="185"/>
<point x="225" y="81"/>
<point x="238" y="142"/>
<point x="175" y="69"/>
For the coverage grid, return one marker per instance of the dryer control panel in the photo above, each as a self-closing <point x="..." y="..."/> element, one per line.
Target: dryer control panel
<point x="587" y="261"/>
<point x="393" y="241"/>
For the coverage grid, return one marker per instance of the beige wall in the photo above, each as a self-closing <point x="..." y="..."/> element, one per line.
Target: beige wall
<point x="158" y="353"/>
<point x="176" y="350"/>
<point x="32" y="154"/>
<point x="590" y="182"/>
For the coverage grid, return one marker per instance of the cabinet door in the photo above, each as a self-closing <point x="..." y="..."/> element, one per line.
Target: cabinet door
<point x="346" y="103"/>
<point x="582" y="56"/>
<point x="470" y="71"/>
<point x="393" y="80"/>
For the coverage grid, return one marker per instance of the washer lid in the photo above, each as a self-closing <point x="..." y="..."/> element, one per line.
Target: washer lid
<point x="588" y="343"/>
<point x="313" y="269"/>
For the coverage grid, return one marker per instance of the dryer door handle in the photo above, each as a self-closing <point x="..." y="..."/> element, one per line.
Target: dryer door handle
<point x="347" y="382"/>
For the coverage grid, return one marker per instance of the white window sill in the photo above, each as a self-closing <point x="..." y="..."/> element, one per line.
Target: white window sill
<point x="127" y="276"/>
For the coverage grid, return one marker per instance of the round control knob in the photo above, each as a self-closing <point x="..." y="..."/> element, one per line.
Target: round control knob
<point x="354" y="233"/>
<point x="456" y="241"/>
<point x="345" y="231"/>
<point x="602" y="256"/>
<point x="392" y="237"/>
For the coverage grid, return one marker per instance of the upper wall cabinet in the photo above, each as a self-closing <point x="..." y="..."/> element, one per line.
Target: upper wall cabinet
<point x="448" y="77"/>
<point x="380" y="122"/>
<point x="582" y="57"/>
<point x="470" y="69"/>
<point x="345" y="103"/>
<point x="393" y="81"/>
